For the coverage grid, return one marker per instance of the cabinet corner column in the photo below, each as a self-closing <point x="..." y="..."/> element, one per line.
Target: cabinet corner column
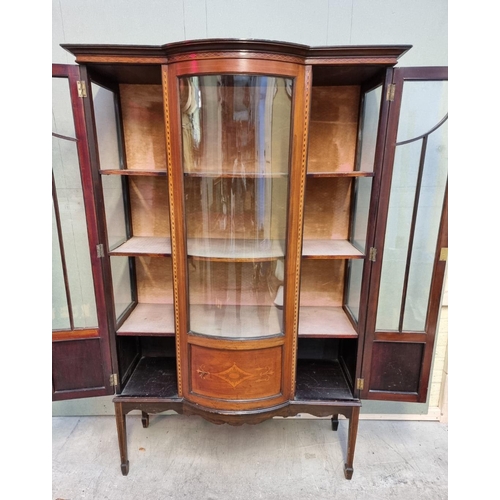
<point x="176" y="206"/>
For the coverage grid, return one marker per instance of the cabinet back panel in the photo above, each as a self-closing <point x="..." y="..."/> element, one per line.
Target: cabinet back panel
<point x="327" y="208"/>
<point x="333" y="128"/>
<point x="325" y="349"/>
<point x="154" y="280"/>
<point x="143" y="126"/>
<point x="322" y="282"/>
<point x="149" y="206"/>
<point x="157" y="346"/>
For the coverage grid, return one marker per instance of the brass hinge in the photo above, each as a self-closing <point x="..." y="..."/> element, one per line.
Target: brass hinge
<point x="360" y="382"/>
<point x="444" y="254"/>
<point x="391" y="90"/>
<point x="113" y="380"/>
<point x="82" y="89"/>
<point x="100" y="250"/>
<point x="373" y="254"/>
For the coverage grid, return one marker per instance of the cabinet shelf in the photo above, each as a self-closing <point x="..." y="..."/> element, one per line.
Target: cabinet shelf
<point x="324" y="322"/>
<point x="237" y="175"/>
<point x="329" y="249"/>
<point x="321" y="380"/>
<point x="239" y="250"/>
<point x="144" y="246"/>
<point x="153" y="377"/>
<point x="149" y="319"/>
<point x="356" y="173"/>
<point x="130" y="171"/>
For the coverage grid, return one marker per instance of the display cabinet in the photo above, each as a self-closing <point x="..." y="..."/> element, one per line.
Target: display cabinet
<point x="240" y="197"/>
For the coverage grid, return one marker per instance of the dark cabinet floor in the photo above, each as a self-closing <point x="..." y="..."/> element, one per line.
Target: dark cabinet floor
<point x="317" y="380"/>
<point x="153" y="377"/>
<point x="321" y="380"/>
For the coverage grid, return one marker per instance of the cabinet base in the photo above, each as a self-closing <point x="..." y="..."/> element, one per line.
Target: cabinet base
<point x="350" y="409"/>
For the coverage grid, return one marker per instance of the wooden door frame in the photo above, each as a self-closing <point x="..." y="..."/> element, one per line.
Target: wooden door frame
<point x="400" y="75"/>
<point x="101" y="333"/>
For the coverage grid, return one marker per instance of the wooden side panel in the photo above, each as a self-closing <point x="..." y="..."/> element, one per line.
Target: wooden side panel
<point x="396" y="367"/>
<point x="77" y="365"/>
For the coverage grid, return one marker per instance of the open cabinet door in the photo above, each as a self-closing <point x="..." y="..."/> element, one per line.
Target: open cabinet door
<point x="81" y="360"/>
<point x="410" y="251"/>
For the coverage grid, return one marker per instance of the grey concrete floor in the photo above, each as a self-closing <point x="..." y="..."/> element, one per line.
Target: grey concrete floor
<point x="180" y="457"/>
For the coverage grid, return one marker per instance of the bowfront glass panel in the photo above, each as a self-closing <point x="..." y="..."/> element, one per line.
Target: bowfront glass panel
<point x="235" y="144"/>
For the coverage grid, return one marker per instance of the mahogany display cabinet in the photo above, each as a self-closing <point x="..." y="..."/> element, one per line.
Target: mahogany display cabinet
<point x="265" y="225"/>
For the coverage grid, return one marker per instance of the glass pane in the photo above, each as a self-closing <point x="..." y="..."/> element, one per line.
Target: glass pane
<point x="359" y="226"/>
<point x="423" y="107"/>
<point x="355" y="276"/>
<point x="74" y="231"/>
<point x="115" y="210"/>
<point x="368" y="139"/>
<point x="60" y="316"/>
<point x="426" y="230"/>
<point x="236" y="299"/>
<point x="122" y="289"/>
<point x="106" y="128"/>
<point x="397" y="235"/>
<point x="113" y="192"/>
<point x="62" y="111"/>
<point x="235" y="124"/>
<point x="370" y="114"/>
<point x="236" y="141"/>
<point x="361" y="210"/>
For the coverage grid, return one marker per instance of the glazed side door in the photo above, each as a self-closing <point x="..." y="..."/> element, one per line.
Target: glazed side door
<point x="81" y="358"/>
<point x="409" y="262"/>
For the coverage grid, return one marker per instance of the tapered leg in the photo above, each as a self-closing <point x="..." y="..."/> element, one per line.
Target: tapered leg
<point x="351" y="442"/>
<point x="145" y="419"/>
<point x="335" y="422"/>
<point x="121" y="427"/>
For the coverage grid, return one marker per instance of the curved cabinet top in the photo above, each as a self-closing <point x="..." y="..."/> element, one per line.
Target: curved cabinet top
<point x="380" y="55"/>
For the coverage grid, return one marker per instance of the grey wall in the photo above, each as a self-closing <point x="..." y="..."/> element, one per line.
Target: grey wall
<point x="421" y="23"/>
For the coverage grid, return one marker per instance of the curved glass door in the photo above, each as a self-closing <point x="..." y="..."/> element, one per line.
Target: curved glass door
<point x="235" y="150"/>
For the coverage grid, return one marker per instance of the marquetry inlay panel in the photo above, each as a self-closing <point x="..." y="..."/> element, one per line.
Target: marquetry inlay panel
<point x="236" y="375"/>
